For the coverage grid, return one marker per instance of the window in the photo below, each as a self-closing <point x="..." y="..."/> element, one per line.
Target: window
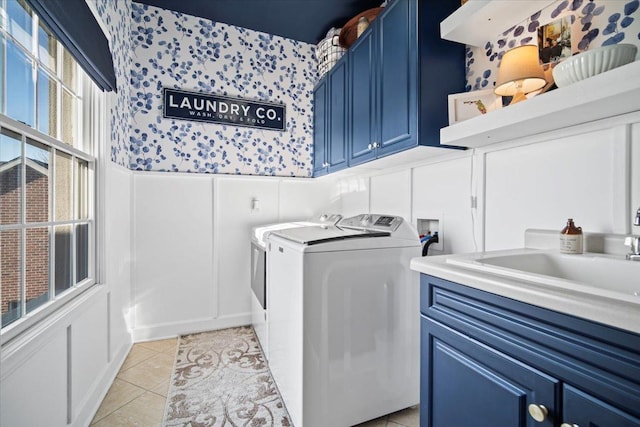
<point x="47" y="171"/>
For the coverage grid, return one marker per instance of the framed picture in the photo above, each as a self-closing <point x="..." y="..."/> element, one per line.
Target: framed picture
<point x="554" y="41"/>
<point x="463" y="106"/>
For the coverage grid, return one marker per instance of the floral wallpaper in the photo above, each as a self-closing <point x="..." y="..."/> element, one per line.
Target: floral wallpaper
<point x="594" y="23"/>
<point x="175" y="50"/>
<point x="117" y="17"/>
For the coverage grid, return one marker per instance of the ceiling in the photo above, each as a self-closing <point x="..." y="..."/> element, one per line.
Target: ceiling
<point x="303" y="20"/>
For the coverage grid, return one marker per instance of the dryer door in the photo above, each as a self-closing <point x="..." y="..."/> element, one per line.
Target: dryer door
<point x="258" y="274"/>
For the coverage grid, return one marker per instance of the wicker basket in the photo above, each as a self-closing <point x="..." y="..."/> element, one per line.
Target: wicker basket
<point x="329" y="52"/>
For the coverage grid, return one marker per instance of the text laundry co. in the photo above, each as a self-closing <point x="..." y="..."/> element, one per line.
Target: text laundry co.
<point x="219" y="109"/>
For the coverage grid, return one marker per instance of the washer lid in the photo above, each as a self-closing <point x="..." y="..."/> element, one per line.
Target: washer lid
<point x="322" y="233"/>
<point x="260" y="233"/>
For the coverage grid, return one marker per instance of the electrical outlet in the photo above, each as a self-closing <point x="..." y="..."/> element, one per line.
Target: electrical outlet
<point x="255" y="205"/>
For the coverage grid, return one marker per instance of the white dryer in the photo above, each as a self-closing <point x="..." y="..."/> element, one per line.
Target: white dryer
<point x="259" y="315"/>
<point x="344" y="327"/>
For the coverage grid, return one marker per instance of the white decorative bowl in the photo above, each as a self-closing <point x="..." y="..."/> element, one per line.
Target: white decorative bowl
<point x="595" y="61"/>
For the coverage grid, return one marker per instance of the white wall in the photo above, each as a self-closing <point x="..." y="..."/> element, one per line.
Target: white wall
<point x="192" y="244"/>
<point x="635" y="170"/>
<point x="173" y="273"/>
<point x="442" y="191"/>
<point x="118" y="257"/>
<point x="391" y="194"/>
<point x="590" y="173"/>
<point x="541" y="185"/>
<point x="57" y="372"/>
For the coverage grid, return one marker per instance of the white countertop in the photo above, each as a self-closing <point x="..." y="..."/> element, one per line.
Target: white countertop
<point x="617" y="312"/>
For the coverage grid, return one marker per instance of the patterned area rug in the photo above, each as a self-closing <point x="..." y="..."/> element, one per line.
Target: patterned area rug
<point x="220" y="378"/>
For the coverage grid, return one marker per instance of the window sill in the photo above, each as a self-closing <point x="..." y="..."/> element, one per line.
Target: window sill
<point x="46" y="315"/>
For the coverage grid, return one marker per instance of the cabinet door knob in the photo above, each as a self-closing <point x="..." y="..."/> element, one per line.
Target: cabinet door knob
<point x="538" y="412"/>
<point x="569" y="425"/>
<point x="376" y="145"/>
<point x="370" y="146"/>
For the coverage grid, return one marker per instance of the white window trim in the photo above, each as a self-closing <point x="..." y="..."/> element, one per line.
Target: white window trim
<point x="93" y="128"/>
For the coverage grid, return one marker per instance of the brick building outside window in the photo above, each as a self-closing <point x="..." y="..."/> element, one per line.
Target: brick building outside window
<point x="37" y="242"/>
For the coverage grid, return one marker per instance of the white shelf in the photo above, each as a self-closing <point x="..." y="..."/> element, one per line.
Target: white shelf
<point x="605" y="95"/>
<point x="478" y="21"/>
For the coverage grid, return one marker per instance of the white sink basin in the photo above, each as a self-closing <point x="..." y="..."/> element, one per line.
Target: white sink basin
<point x="597" y="274"/>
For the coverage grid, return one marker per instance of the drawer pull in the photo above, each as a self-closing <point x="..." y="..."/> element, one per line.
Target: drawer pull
<point x="569" y="425"/>
<point x="538" y="412"/>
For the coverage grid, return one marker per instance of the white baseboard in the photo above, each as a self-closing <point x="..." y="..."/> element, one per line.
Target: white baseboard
<point x="170" y="330"/>
<point x="94" y="401"/>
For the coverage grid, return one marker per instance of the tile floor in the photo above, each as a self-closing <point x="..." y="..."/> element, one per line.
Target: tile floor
<point x="138" y="395"/>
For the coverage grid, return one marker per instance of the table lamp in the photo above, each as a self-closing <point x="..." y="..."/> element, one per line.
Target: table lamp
<point x="520" y="72"/>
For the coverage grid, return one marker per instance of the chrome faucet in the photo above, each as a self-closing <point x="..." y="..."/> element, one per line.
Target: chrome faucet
<point x="634" y="241"/>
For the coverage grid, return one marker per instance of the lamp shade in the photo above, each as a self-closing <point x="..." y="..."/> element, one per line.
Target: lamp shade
<point x="520" y="71"/>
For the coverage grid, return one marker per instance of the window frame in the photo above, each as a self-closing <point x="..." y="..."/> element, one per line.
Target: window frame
<point x="57" y="74"/>
<point x="89" y="134"/>
<point x="55" y="302"/>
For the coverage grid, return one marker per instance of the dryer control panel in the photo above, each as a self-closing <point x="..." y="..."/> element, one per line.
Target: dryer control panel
<point x="372" y="222"/>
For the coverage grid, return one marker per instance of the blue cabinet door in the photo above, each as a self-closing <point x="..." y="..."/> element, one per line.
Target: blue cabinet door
<point x="362" y="105"/>
<point x="320" y="129"/>
<point x="582" y="409"/>
<point x="401" y="75"/>
<point x="397" y="79"/>
<point x="488" y="350"/>
<point x="337" y="108"/>
<point x="465" y="383"/>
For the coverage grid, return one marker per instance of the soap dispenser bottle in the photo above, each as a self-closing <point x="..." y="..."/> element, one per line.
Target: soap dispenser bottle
<point x="571" y="238"/>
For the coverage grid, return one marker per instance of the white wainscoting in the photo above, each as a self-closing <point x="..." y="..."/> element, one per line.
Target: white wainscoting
<point x="589" y="172"/>
<point x="58" y="372"/>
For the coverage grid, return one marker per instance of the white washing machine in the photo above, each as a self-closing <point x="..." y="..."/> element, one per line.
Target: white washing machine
<point x="259" y="316"/>
<point x="344" y="326"/>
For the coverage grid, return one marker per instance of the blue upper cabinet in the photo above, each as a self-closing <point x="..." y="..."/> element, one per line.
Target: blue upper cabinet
<point x="401" y="73"/>
<point x="362" y="132"/>
<point x="397" y="84"/>
<point x="320" y="129"/>
<point x="330" y="122"/>
<point x="337" y="99"/>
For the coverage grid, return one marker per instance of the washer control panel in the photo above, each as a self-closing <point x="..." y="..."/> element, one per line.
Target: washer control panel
<point x="373" y="222"/>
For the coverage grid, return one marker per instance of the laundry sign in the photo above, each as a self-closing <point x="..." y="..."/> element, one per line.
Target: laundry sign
<point x="183" y="105"/>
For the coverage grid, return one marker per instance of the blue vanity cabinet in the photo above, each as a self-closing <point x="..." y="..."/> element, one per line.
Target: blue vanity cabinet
<point x="582" y="409"/>
<point x="474" y="385"/>
<point x="330" y="121"/>
<point x="401" y="73"/>
<point x="486" y="359"/>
